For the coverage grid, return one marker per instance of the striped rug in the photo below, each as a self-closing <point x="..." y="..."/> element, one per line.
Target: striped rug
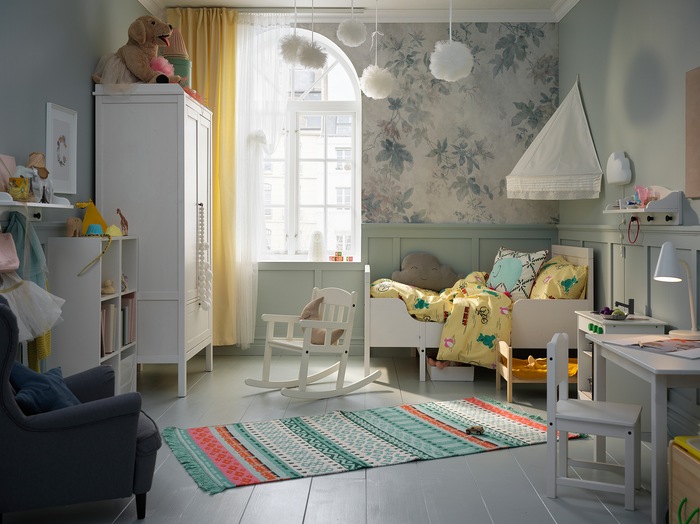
<point x="232" y="455"/>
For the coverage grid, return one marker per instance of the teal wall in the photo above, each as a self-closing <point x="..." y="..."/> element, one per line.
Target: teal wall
<point x="632" y="57"/>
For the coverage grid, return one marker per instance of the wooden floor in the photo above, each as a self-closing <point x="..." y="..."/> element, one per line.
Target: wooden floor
<point x="505" y="486"/>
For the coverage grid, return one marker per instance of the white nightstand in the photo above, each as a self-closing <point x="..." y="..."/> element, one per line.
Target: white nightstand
<point x="592" y="322"/>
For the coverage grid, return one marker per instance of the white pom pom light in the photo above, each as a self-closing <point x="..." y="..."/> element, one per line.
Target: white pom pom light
<point x="377" y="82"/>
<point x="290" y="46"/>
<point x="351" y="32"/>
<point x="451" y="61"/>
<point x="311" y="55"/>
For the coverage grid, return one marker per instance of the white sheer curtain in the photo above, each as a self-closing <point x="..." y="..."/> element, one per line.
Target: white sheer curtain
<point x="262" y="82"/>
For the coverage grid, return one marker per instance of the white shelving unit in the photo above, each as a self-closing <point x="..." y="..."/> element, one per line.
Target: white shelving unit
<point x="78" y="342"/>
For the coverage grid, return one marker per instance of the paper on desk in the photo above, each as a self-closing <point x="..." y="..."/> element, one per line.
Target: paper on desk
<point x="670" y="346"/>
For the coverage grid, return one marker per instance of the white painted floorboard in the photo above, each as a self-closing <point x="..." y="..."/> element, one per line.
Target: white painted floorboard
<point x="504" y="486"/>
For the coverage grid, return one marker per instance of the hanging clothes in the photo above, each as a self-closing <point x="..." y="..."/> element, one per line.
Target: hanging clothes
<point x="32" y="298"/>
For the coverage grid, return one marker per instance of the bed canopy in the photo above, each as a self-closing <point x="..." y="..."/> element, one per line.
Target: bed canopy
<point x="561" y="163"/>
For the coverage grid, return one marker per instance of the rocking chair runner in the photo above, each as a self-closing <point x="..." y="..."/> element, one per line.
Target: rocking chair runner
<point x="337" y="312"/>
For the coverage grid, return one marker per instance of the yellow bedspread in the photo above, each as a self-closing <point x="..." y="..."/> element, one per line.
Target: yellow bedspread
<point x="475" y="316"/>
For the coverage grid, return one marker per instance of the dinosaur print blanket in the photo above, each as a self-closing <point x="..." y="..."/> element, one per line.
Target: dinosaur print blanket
<point x="475" y="316"/>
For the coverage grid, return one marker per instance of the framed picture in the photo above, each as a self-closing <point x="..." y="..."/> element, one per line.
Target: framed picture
<point x="61" y="147"/>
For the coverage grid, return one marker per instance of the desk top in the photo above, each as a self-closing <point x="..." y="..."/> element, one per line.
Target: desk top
<point x="657" y="363"/>
<point x="637" y="320"/>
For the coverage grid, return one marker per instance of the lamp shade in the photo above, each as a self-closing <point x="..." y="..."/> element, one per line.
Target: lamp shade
<point x="668" y="269"/>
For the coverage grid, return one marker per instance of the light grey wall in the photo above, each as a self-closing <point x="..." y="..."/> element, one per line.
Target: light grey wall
<point x="632" y="57"/>
<point x="48" y="50"/>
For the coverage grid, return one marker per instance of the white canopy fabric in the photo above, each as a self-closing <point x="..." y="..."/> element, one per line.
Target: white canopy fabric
<point x="561" y="163"/>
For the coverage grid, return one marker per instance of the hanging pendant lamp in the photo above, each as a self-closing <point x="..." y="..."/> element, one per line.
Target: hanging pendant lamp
<point x="311" y="55"/>
<point x="290" y="44"/>
<point x="377" y="82"/>
<point x="451" y="61"/>
<point x="351" y="32"/>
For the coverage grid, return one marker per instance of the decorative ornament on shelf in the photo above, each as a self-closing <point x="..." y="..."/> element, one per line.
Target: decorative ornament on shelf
<point x="451" y="61"/>
<point x="377" y="82"/>
<point x="123" y="223"/>
<point x="351" y="32"/>
<point x="177" y="55"/>
<point x="311" y="55"/>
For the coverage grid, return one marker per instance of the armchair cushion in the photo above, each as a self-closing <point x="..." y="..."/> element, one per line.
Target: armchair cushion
<point x="40" y="392"/>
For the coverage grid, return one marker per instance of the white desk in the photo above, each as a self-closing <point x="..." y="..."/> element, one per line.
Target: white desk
<point x="662" y="372"/>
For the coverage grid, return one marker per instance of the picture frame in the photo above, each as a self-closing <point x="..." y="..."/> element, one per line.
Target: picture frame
<point x="62" y="147"/>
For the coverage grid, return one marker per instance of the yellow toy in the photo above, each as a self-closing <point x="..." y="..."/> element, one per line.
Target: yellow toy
<point x="92" y="216"/>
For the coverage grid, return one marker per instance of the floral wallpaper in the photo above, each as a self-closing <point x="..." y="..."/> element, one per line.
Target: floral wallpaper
<point x="439" y="152"/>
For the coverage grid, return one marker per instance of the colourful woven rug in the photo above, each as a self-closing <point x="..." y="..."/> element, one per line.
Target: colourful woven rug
<point x="223" y="457"/>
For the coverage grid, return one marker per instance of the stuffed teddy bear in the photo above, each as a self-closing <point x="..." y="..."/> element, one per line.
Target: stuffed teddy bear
<point x="132" y="62"/>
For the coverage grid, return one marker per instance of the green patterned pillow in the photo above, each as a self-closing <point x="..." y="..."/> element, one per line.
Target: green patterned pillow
<point x="514" y="272"/>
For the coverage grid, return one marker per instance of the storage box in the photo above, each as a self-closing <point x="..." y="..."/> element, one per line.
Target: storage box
<point x="451" y="374"/>
<point x="684" y="481"/>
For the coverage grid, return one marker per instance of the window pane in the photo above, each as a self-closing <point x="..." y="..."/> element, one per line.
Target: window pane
<point x="311" y="183"/>
<point x="311" y="142"/>
<point x="275" y="236"/>
<point x="340" y="227"/>
<point x="337" y="180"/>
<point x="339" y="85"/>
<point x="310" y="220"/>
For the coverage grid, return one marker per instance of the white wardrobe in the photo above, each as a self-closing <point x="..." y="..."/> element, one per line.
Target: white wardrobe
<point x="153" y="162"/>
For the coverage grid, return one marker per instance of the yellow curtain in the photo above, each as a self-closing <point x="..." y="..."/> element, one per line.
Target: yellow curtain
<point x="210" y="38"/>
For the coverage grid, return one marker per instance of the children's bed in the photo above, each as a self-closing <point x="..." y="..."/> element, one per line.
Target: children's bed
<point x="533" y="321"/>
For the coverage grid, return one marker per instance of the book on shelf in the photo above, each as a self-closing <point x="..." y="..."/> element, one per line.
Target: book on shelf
<point x="109" y="327"/>
<point x="129" y="319"/>
<point x="102" y="331"/>
<point x="125" y="325"/>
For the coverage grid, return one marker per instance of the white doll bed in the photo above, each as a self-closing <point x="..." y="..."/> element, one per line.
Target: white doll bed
<point x="388" y="324"/>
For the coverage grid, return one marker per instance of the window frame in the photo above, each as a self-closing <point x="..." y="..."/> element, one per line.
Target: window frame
<point x="295" y="251"/>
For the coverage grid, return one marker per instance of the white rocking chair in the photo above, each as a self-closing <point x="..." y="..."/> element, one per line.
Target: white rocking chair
<point x="337" y="314"/>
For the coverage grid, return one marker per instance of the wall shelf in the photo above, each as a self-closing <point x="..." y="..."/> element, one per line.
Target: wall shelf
<point x="667" y="210"/>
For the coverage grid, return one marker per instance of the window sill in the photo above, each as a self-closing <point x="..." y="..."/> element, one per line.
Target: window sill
<point x="271" y="265"/>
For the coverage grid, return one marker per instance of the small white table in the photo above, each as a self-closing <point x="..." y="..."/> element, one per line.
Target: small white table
<point x="662" y="372"/>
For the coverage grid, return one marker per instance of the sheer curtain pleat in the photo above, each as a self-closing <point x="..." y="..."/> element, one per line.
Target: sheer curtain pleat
<point x="261" y="100"/>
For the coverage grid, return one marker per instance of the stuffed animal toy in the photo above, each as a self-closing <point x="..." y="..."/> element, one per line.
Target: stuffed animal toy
<point x="425" y="271"/>
<point x="132" y="62"/>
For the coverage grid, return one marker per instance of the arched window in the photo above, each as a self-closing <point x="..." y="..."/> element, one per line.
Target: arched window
<point x="314" y="174"/>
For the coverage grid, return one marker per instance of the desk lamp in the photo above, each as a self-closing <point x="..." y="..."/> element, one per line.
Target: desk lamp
<point x="668" y="269"/>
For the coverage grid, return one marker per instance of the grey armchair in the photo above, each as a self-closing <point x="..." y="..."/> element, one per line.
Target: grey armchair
<point x="103" y="448"/>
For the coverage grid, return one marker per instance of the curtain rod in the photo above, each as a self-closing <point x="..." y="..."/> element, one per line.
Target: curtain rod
<point x="327" y="10"/>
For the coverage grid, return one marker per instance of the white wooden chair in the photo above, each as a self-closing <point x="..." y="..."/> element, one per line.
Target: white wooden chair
<point x="337" y="312"/>
<point x="608" y="419"/>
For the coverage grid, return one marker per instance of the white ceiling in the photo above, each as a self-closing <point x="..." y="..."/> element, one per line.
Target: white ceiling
<point x="396" y="10"/>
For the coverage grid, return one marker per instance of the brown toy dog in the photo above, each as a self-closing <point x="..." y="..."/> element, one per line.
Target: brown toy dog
<point x="132" y="62"/>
